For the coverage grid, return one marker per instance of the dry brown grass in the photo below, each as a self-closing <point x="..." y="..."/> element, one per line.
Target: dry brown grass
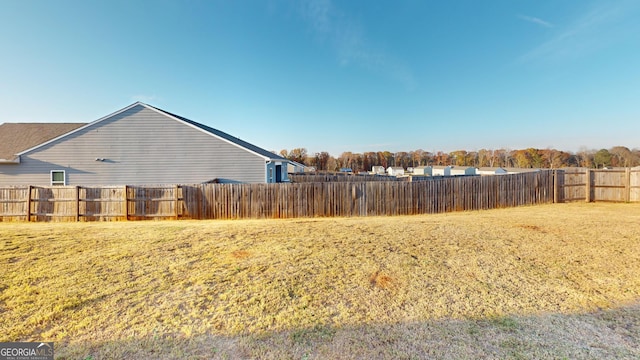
<point x="549" y="281"/>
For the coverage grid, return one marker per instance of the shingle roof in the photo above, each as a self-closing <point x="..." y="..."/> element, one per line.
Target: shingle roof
<point x="17" y="137"/>
<point x="225" y="136"/>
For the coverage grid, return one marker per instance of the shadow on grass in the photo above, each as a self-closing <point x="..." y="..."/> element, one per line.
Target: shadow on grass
<point x="604" y="334"/>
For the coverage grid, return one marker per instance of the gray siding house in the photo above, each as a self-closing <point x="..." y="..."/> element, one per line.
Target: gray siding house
<point x="137" y="145"/>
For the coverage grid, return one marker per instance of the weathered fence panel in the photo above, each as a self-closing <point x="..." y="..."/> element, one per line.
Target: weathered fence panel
<point x="618" y="185"/>
<point x="15" y="203"/>
<point x="157" y="202"/>
<point x="54" y="203"/>
<point x="103" y="203"/>
<point x="609" y="185"/>
<point x="574" y="185"/>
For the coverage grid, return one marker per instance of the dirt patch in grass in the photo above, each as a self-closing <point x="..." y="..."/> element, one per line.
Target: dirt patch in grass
<point x="533" y="228"/>
<point x="497" y="283"/>
<point x="240" y="254"/>
<point x="381" y="280"/>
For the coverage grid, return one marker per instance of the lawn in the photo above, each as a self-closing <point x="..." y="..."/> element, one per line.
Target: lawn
<point x="551" y="281"/>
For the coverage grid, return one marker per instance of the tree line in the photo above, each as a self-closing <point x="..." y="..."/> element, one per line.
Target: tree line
<point x="617" y="156"/>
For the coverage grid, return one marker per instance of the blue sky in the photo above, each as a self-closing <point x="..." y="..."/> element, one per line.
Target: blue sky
<point x="337" y="75"/>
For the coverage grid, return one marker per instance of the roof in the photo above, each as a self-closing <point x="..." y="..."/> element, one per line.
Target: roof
<point x="491" y="169"/>
<point x="17" y="137"/>
<point x="295" y="163"/>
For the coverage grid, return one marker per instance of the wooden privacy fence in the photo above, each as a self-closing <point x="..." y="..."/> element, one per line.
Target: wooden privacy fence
<point x="618" y="185"/>
<point x="238" y="201"/>
<point x="81" y="203"/>
<point x="306" y="178"/>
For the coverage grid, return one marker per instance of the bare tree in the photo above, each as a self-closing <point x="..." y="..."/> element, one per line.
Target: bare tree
<point x="621" y="156"/>
<point x="298" y="155"/>
<point x="586" y="157"/>
<point x="322" y="160"/>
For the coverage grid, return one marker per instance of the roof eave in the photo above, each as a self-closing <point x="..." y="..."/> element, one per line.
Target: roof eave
<point x="15" y="160"/>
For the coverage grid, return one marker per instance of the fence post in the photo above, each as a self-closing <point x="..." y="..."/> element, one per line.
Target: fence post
<point x="203" y="199"/>
<point x="29" y="204"/>
<point x="176" y="200"/>
<point x="557" y="174"/>
<point x="588" y="185"/>
<point x="126" y="204"/>
<point x="77" y="203"/>
<point x="555" y="186"/>
<point x="627" y="184"/>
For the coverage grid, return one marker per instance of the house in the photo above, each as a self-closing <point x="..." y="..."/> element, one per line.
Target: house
<point x="439" y="170"/>
<point x="294" y="167"/>
<point x="139" y="144"/>
<point x="462" y="170"/>
<point x="395" y="171"/>
<point x="378" y="170"/>
<point x="491" y="170"/>
<point x="422" y="170"/>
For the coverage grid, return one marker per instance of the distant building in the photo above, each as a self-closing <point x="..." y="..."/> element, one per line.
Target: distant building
<point x="378" y="170"/>
<point x="294" y="167"/>
<point x="491" y="170"/>
<point x="395" y="171"/>
<point x="422" y="170"/>
<point x="514" y="170"/>
<point x="441" y="170"/>
<point x="462" y="170"/>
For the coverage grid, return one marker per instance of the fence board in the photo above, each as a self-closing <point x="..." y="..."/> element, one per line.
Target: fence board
<point x="634" y="185"/>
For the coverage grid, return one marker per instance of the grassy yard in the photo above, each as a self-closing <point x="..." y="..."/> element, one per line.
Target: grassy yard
<point x="552" y="281"/>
